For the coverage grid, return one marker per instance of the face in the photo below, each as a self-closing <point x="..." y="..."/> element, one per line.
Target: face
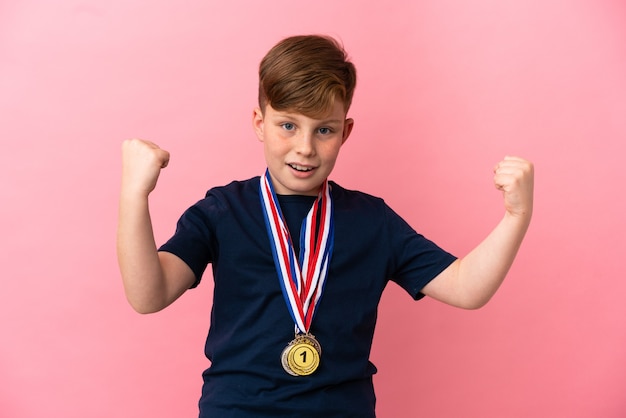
<point x="300" y="152"/>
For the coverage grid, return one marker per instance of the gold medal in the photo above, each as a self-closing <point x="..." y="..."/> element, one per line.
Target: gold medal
<point x="301" y="357"/>
<point x="302" y="279"/>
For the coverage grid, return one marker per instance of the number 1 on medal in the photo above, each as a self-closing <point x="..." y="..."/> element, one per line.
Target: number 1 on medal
<point x="303" y="354"/>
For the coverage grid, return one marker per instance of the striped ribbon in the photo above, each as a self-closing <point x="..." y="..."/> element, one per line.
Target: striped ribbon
<point x="302" y="282"/>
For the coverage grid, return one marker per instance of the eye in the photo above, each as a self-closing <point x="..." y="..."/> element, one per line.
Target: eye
<point x="325" y="131"/>
<point x="288" y="126"/>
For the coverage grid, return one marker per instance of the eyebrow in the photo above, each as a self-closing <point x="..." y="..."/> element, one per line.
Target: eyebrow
<point x="297" y="115"/>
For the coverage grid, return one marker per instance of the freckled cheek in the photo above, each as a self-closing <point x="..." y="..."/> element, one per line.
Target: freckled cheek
<point x="330" y="153"/>
<point x="276" y="150"/>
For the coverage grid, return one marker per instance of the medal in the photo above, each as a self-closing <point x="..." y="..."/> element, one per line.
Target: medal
<point x="302" y="280"/>
<point x="302" y="355"/>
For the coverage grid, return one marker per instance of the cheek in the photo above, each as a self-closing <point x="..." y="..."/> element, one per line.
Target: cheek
<point x="331" y="150"/>
<point x="274" y="146"/>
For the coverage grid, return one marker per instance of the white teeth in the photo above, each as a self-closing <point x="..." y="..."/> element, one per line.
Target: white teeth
<point x="299" y="167"/>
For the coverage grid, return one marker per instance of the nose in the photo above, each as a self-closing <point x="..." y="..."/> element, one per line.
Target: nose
<point x="305" y="144"/>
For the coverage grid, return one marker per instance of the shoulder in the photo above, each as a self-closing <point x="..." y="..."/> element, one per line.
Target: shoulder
<point x="367" y="209"/>
<point x="350" y="196"/>
<point x="236" y="188"/>
<point x="221" y="200"/>
<point x="234" y="193"/>
<point x="356" y="201"/>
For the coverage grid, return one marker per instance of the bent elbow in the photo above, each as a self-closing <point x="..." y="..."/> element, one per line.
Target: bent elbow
<point x="474" y="307"/>
<point x="145" y="311"/>
<point x="144" y="308"/>
<point x="474" y="304"/>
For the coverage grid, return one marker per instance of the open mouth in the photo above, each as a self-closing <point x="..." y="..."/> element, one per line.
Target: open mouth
<point x="300" y="168"/>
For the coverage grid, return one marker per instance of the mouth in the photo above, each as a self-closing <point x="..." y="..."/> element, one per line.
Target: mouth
<point x="300" y="168"/>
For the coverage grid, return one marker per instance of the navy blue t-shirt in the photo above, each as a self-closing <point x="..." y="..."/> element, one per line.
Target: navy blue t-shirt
<point x="250" y="323"/>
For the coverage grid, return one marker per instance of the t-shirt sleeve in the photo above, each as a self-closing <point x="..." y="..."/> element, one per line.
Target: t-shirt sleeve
<point x="194" y="240"/>
<point x="416" y="259"/>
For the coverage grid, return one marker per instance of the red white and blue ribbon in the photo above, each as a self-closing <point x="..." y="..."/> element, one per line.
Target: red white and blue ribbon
<point x="302" y="282"/>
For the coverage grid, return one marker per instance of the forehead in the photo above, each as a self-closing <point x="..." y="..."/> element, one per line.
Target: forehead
<point x="336" y="113"/>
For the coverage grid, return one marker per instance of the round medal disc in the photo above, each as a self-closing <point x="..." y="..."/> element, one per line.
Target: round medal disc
<point x="302" y="356"/>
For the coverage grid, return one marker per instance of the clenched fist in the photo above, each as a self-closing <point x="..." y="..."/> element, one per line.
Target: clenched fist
<point x="515" y="177"/>
<point x="142" y="162"/>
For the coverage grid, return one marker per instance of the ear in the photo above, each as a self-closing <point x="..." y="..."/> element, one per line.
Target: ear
<point x="347" y="129"/>
<point x="258" y="123"/>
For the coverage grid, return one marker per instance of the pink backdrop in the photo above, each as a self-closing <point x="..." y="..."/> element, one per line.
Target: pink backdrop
<point x="446" y="89"/>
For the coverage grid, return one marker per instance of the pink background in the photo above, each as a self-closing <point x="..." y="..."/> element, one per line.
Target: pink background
<point x="446" y="89"/>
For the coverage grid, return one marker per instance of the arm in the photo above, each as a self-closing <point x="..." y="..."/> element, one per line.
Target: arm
<point x="472" y="280"/>
<point x="152" y="280"/>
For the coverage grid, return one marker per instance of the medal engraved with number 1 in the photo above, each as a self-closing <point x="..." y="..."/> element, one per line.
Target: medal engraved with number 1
<point x="302" y="279"/>
<point x="301" y="357"/>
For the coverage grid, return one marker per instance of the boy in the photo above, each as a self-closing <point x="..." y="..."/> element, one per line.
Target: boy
<point x="299" y="263"/>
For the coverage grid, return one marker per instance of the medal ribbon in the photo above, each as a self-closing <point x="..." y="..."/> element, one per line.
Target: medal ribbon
<point x="302" y="282"/>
